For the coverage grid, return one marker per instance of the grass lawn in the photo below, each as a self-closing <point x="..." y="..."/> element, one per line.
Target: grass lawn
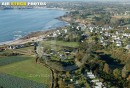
<point x="26" y="50"/>
<point x="61" y="43"/>
<point x="119" y="17"/>
<point x="28" y="69"/>
<point x="128" y="25"/>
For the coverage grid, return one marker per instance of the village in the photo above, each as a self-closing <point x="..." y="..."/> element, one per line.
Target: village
<point x="107" y="36"/>
<point x="84" y="54"/>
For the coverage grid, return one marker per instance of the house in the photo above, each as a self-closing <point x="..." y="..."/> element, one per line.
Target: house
<point x="117" y="38"/>
<point x="65" y="31"/>
<point x="97" y="87"/>
<point x="90" y="75"/>
<point x="84" y="36"/>
<point x="11" y="47"/>
<point x="118" y="43"/>
<point x="104" y="44"/>
<point x="106" y="34"/>
<point x="113" y="41"/>
<point x="54" y="35"/>
<point x="45" y="38"/>
<point x="126" y="35"/>
<point x="48" y="35"/>
<point x="82" y="26"/>
<point x="62" y="56"/>
<point x="76" y="82"/>
<point x="2" y="49"/>
<point x="106" y="27"/>
<point x="91" y="29"/>
<point x="117" y="33"/>
<point x="127" y="47"/>
<point x="99" y="83"/>
<point x="47" y="55"/>
<point x="114" y="36"/>
<point x="71" y="80"/>
<point x="101" y="32"/>
<point x="95" y="80"/>
<point x="102" y="39"/>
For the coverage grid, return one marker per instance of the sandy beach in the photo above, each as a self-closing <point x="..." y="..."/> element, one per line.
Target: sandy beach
<point x="21" y="41"/>
<point x="32" y="37"/>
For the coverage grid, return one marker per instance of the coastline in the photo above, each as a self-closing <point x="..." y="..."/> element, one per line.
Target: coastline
<point x="31" y="37"/>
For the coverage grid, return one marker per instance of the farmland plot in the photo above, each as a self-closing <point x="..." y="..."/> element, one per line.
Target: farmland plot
<point x="8" y="81"/>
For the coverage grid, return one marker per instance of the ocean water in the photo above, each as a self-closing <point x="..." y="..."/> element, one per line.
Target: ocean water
<point x="17" y="23"/>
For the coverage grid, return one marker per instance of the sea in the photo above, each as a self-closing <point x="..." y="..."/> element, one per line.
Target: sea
<point x="16" y="23"/>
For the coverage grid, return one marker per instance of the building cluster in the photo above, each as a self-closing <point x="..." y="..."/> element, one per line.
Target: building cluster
<point x="57" y="33"/>
<point x="126" y="13"/>
<point x="94" y="81"/>
<point x="118" y="38"/>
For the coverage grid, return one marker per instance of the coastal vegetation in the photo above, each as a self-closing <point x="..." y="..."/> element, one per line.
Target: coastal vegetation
<point x="61" y="43"/>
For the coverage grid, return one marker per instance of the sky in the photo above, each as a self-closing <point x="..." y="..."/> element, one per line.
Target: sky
<point x="69" y="0"/>
<point x="45" y="0"/>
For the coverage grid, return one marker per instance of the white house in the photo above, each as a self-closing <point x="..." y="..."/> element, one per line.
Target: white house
<point x="91" y="76"/>
<point x="11" y="47"/>
<point x="98" y="87"/>
<point x="118" y="43"/>
<point x="71" y="80"/>
<point x="95" y="80"/>
<point x="89" y="73"/>
<point x="99" y="83"/>
<point x="54" y="35"/>
<point x="65" y="31"/>
<point x="127" y="47"/>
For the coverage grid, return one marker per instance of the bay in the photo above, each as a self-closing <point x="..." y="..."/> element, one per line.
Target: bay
<point x="16" y="23"/>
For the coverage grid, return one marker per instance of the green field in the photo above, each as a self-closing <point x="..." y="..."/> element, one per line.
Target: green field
<point x="25" y="51"/>
<point x="8" y="81"/>
<point x="25" y="68"/>
<point x="61" y="43"/>
<point x="127" y="25"/>
<point x="12" y="59"/>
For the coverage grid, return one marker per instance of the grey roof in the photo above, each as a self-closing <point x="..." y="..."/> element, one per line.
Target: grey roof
<point x="127" y="47"/>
